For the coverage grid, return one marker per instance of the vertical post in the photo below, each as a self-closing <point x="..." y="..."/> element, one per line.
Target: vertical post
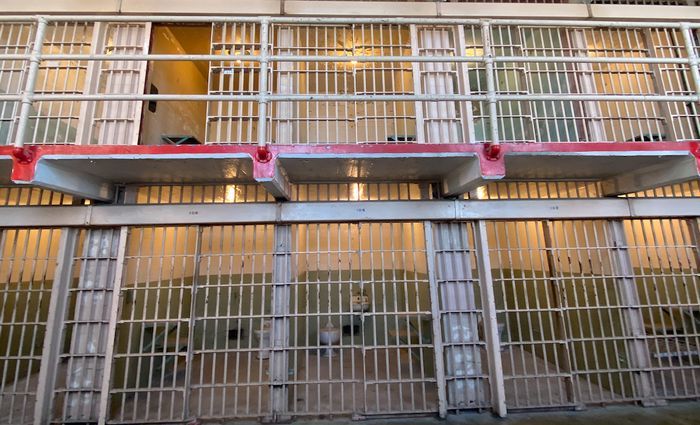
<point x="591" y="109"/>
<point x="279" y="344"/>
<point x="637" y="347"/>
<point x="689" y="42"/>
<point x="694" y="227"/>
<point x="658" y="82"/>
<point x="466" y="115"/>
<point x="456" y="287"/>
<point x="93" y="297"/>
<point x="263" y="81"/>
<point x="488" y="301"/>
<point x="417" y="86"/>
<point x="129" y="195"/>
<point x="286" y="128"/>
<point x="30" y="84"/>
<point x="490" y="82"/>
<point x="436" y="319"/>
<point x="51" y="351"/>
<point x="192" y="323"/>
<point x="441" y="116"/>
<point x="114" y="312"/>
<point x="559" y="303"/>
<point x="92" y="81"/>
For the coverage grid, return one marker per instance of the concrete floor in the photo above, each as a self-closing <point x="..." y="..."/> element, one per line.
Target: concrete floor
<point x="680" y="413"/>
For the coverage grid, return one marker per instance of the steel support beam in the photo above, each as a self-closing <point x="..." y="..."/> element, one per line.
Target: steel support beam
<point x="279" y="337"/>
<point x="459" y="313"/>
<point x="490" y="322"/>
<point x="651" y="177"/>
<point x="336" y="212"/>
<point x="273" y="178"/>
<point x="465" y="178"/>
<point x="82" y="185"/>
<point x="53" y="340"/>
<point x="637" y="348"/>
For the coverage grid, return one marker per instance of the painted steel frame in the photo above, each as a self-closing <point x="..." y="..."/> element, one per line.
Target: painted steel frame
<point x="334" y="212"/>
<point x="263" y="97"/>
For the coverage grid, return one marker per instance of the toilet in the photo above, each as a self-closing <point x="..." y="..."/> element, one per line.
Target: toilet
<point x="263" y="338"/>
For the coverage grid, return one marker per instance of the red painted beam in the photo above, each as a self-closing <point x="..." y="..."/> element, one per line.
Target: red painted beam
<point x="23" y="170"/>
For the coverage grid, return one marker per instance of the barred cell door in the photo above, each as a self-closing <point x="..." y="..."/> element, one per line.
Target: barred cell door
<point x="368" y="285"/>
<point x="221" y="322"/>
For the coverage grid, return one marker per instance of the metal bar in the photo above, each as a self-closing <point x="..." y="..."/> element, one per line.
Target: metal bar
<point x="637" y="347"/>
<point x="436" y="318"/>
<point x="466" y="114"/>
<point x="658" y="82"/>
<point x="279" y="337"/>
<point x="694" y="227"/>
<point x="417" y="86"/>
<point x="28" y="92"/>
<point x="340" y="20"/>
<point x="114" y="314"/>
<point x="187" y="414"/>
<point x="688" y="40"/>
<point x="53" y="341"/>
<point x="98" y="57"/>
<point x="353" y="211"/>
<point x="558" y="304"/>
<point x="263" y="85"/>
<point x="490" y="322"/>
<point x="453" y="258"/>
<point x="93" y="297"/>
<point x="490" y="82"/>
<point x="371" y="97"/>
<point x="91" y="86"/>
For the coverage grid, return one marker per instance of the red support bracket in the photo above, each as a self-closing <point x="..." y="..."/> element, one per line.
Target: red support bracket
<point x="492" y="151"/>
<point x="24" y="155"/>
<point x="263" y="154"/>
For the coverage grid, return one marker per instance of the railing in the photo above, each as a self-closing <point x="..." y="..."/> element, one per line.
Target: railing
<point x="295" y="80"/>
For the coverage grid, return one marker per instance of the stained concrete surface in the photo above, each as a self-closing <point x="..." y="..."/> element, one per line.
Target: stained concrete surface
<point x="678" y="413"/>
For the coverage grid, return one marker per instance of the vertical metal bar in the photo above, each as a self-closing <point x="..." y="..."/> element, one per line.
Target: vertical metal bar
<point x="436" y="319"/>
<point x="192" y="322"/>
<point x="694" y="227"/>
<point x="488" y="302"/>
<point x="692" y="55"/>
<point x="466" y="115"/>
<point x="28" y="93"/>
<point x="456" y="288"/>
<point x="640" y="360"/>
<point x="417" y="86"/>
<point x="115" y="309"/>
<point x="286" y="127"/>
<point x="593" y="124"/>
<point x="490" y="82"/>
<point x="54" y="325"/>
<point x="658" y="82"/>
<point x="144" y="43"/>
<point x="279" y="337"/>
<point x="91" y="85"/>
<point x="262" y="88"/>
<point x="558" y="299"/>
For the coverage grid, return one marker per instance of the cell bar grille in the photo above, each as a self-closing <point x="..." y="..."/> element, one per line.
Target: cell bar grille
<point x="228" y="121"/>
<point x="27" y="265"/>
<point x="665" y="255"/>
<point x="14" y="39"/>
<point x="151" y="345"/>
